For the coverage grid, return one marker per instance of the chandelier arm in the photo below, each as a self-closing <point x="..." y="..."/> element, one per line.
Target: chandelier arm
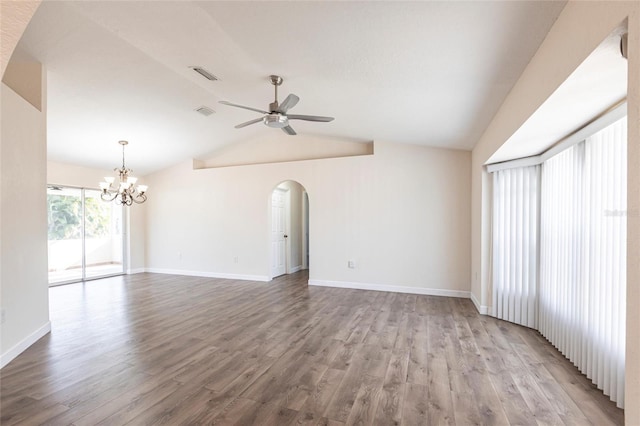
<point x="108" y="196"/>
<point x="139" y="199"/>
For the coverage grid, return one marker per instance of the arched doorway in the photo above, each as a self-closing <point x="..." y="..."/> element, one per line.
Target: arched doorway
<point x="289" y="229"/>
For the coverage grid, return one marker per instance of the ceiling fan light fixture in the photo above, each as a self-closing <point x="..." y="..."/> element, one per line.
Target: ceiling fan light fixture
<point x="276" y="121"/>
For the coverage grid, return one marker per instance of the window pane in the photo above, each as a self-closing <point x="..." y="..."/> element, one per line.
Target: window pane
<point x="64" y="207"/>
<point x="103" y="236"/>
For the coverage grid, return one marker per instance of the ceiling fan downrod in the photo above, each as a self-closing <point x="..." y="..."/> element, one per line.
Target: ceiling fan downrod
<point x="276" y="80"/>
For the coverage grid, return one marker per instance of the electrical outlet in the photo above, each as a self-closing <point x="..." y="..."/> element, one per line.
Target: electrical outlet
<point x="235" y="259"/>
<point x="351" y="264"/>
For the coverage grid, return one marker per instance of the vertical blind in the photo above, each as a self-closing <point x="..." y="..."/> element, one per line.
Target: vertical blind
<point x="515" y="245"/>
<point x="563" y="271"/>
<point x="583" y="256"/>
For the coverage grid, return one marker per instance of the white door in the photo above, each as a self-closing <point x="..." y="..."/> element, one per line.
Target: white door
<point x="278" y="237"/>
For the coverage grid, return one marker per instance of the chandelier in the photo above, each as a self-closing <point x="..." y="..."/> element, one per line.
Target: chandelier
<point x="124" y="192"/>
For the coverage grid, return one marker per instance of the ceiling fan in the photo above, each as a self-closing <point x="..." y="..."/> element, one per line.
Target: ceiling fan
<point x="277" y="115"/>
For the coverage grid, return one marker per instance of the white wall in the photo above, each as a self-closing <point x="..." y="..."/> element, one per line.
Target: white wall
<point x="579" y="29"/>
<point x="86" y="177"/>
<point x="275" y="148"/>
<point x="24" y="293"/>
<point x="632" y="368"/>
<point x="402" y="214"/>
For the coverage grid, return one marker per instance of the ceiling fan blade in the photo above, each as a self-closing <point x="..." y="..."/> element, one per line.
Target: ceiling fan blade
<point x="245" y="124"/>
<point x="243" y="107"/>
<point x="289" y="130"/>
<point x="288" y="103"/>
<point x="309" y="118"/>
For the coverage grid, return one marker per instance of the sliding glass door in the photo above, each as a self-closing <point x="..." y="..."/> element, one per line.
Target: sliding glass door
<point x="65" y="234"/>
<point x="102" y="236"/>
<point x="85" y="235"/>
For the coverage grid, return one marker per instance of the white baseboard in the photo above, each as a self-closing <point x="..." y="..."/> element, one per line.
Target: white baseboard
<point x="9" y="355"/>
<point x="135" y="271"/>
<point x="295" y="269"/>
<point x="391" y="288"/>
<point x="482" y="310"/>
<point x="207" y="274"/>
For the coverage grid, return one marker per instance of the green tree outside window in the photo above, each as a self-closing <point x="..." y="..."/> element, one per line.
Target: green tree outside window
<point x="65" y="216"/>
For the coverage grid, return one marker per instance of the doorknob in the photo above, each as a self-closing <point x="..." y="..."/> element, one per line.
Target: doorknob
<point x="286" y="236"/>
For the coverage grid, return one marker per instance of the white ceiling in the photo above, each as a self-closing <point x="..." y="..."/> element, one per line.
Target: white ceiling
<point x="428" y="73"/>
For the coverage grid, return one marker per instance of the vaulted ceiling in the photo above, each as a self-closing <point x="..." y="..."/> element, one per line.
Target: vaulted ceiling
<point x="427" y="73"/>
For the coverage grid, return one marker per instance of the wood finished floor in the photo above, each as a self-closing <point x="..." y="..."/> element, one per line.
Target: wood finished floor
<point x="153" y="349"/>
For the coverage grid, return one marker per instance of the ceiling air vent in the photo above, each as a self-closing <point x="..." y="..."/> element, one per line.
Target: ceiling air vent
<point x="206" y="74"/>
<point x="205" y="110"/>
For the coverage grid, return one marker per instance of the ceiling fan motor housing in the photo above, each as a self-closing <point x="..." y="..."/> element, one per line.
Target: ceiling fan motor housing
<point x="276" y="120"/>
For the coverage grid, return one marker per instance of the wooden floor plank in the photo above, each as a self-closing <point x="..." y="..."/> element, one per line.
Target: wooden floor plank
<point x="364" y="408"/>
<point x="317" y="402"/>
<point x="345" y="395"/>
<point x="129" y="405"/>
<point x="203" y="407"/>
<point x="162" y="349"/>
<point x="390" y="404"/>
<point x="415" y="409"/>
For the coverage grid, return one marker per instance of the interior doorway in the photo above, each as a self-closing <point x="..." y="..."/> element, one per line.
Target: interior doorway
<point x="289" y="233"/>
